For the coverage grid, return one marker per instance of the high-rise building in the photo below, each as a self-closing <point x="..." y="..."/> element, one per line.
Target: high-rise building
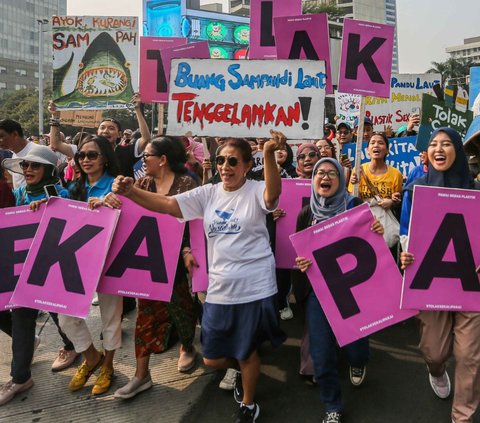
<point x="470" y="49"/>
<point x="20" y="24"/>
<point x="380" y="11"/>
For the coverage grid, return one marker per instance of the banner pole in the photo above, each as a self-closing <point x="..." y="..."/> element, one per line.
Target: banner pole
<point x="358" y="147"/>
<point x="160" y="119"/>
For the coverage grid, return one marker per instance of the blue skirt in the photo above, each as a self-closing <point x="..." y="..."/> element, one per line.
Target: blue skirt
<point x="235" y="331"/>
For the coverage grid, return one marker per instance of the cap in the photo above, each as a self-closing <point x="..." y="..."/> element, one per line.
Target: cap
<point x="37" y="154"/>
<point x="345" y="124"/>
<point x="366" y="121"/>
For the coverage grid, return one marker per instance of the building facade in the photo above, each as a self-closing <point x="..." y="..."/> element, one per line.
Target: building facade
<point x="19" y="41"/>
<point x="470" y="50"/>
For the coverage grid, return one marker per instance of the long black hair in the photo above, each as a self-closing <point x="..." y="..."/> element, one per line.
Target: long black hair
<point x="79" y="191"/>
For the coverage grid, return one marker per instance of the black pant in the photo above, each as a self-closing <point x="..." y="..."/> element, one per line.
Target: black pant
<point x="67" y="344"/>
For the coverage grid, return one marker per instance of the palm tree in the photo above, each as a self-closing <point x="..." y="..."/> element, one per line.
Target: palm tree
<point x="455" y="70"/>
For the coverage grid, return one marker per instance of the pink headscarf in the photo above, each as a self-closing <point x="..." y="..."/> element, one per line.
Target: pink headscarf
<point x="305" y="146"/>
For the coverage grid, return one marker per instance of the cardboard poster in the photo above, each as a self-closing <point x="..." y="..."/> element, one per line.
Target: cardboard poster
<point x="304" y="37"/>
<point x="66" y="258"/>
<point x="366" y="61"/>
<point x="82" y="118"/>
<point x="18" y="226"/>
<point x="262" y="14"/>
<point x="405" y="99"/>
<point x="349" y="264"/>
<point x="295" y="195"/>
<point x="446" y="248"/>
<point x="247" y="98"/>
<point x="436" y="114"/>
<point x="143" y="257"/>
<point x="95" y="61"/>
<point x="154" y="79"/>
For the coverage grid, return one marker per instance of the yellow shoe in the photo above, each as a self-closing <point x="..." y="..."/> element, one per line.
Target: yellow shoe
<point x="82" y="374"/>
<point x="103" y="382"/>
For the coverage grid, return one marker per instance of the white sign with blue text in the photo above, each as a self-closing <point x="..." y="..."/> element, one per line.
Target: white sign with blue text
<point x="246" y="98"/>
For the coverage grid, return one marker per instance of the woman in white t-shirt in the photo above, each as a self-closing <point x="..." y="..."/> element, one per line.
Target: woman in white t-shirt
<point x="240" y="312"/>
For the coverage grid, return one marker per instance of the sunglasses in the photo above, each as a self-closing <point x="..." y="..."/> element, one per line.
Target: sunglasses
<point x="311" y="154"/>
<point x="90" y="155"/>
<point x="232" y="161"/>
<point x="32" y="165"/>
<point x="332" y="174"/>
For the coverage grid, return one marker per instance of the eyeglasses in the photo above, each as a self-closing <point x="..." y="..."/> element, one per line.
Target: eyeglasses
<point x="332" y="174"/>
<point x="32" y="165"/>
<point x="311" y="154"/>
<point x="146" y="155"/>
<point x="90" y="155"/>
<point x="232" y="161"/>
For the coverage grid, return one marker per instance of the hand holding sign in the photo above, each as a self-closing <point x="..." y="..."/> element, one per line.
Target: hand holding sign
<point x="122" y="185"/>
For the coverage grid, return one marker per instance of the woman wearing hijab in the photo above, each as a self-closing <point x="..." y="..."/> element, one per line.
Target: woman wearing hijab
<point x="307" y="155"/>
<point x="329" y="198"/>
<point x="444" y="332"/>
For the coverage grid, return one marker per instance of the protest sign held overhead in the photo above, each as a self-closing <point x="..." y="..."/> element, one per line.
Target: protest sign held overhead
<point x="436" y="114"/>
<point x="304" y="37"/>
<point x="474" y="99"/>
<point x="348" y="274"/>
<point x="66" y="258"/>
<point x="82" y="118"/>
<point x="154" y="80"/>
<point x="295" y="195"/>
<point x="247" y="98"/>
<point x="405" y="98"/>
<point x="366" y="61"/>
<point x="145" y="249"/>
<point x="95" y="61"/>
<point x="18" y="226"/>
<point x="446" y="248"/>
<point x="262" y="14"/>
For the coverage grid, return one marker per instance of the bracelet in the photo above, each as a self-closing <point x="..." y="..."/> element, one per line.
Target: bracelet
<point x="54" y="122"/>
<point x="186" y="251"/>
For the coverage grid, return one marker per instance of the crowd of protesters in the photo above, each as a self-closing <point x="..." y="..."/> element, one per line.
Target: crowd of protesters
<point x="247" y="296"/>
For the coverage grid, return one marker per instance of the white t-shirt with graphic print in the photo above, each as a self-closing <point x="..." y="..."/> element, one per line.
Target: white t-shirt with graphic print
<point x="241" y="263"/>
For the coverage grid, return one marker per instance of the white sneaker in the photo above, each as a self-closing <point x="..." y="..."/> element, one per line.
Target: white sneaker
<point x="286" y="313"/>
<point x="440" y="385"/>
<point x="134" y="387"/>
<point x="95" y="300"/>
<point x="228" y="381"/>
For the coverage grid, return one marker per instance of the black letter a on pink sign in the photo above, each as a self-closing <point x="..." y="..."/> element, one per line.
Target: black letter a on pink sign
<point x="127" y="258"/>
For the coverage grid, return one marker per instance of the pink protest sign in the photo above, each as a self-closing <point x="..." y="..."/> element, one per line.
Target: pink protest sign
<point x="353" y="274"/>
<point x="304" y="37"/>
<point x="191" y="51"/>
<point x="295" y="195"/>
<point x="262" y="13"/>
<point x="18" y="226"/>
<point x="153" y="78"/>
<point x="143" y="258"/>
<point x="366" y="62"/>
<point x="66" y="258"/>
<point x="198" y="244"/>
<point x="446" y="247"/>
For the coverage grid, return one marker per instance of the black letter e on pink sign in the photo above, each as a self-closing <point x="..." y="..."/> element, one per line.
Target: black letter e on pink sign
<point x="340" y="283"/>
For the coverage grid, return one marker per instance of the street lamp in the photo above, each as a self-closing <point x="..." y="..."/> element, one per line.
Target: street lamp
<point x="41" y="22"/>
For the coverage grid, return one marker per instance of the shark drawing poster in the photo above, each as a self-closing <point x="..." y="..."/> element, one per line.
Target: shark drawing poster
<point x="95" y="61"/>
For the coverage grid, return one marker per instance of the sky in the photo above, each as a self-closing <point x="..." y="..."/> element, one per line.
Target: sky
<point x="424" y="27"/>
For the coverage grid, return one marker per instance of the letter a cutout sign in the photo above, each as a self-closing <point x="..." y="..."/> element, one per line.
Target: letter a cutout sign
<point x="443" y="237"/>
<point x="366" y="62"/>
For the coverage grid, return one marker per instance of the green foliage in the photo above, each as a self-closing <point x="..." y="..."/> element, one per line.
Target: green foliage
<point x="313" y="7"/>
<point x="453" y="71"/>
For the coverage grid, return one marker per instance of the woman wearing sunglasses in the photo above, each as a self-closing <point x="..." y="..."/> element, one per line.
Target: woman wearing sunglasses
<point x="39" y="170"/>
<point x="239" y="312"/>
<point x="307" y="155"/>
<point x="98" y="167"/>
<point x="159" y="324"/>
<point x="329" y="198"/>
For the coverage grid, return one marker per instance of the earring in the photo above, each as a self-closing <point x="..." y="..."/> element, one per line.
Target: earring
<point x="244" y="174"/>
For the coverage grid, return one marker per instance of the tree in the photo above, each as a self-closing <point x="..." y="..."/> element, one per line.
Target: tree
<point x="453" y="70"/>
<point x="330" y="8"/>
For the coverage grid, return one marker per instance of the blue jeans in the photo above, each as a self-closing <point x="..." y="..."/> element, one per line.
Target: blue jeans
<point x="323" y="350"/>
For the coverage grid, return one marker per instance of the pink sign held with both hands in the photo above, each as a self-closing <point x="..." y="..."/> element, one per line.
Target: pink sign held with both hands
<point x="66" y="258"/>
<point x="446" y="247"/>
<point x="198" y="50"/>
<point x="198" y="244"/>
<point x="18" y="226"/>
<point x="153" y="77"/>
<point x="262" y="14"/>
<point x="353" y="274"/>
<point x="296" y="194"/>
<point x="304" y="37"/>
<point x="143" y="257"/>
<point x="366" y="62"/>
